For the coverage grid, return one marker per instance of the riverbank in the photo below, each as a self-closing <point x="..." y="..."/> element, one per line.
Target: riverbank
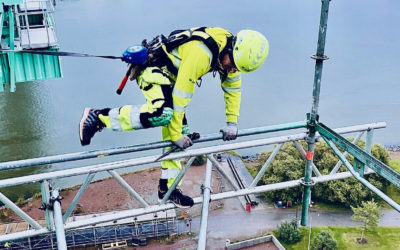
<point x="394" y="154"/>
<point x="107" y="195"/>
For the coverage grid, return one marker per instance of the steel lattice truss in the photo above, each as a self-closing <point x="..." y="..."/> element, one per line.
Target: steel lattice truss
<point x="364" y="163"/>
<point x="92" y="170"/>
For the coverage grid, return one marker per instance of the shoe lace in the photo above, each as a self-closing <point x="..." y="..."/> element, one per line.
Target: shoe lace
<point x="94" y="119"/>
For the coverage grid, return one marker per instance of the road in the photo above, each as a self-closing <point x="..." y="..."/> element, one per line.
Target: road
<point x="239" y="224"/>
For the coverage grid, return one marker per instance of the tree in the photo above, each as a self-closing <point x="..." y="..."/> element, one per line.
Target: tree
<point x="324" y="241"/>
<point x="369" y="214"/>
<point x="288" y="232"/>
<point x="198" y="160"/>
<point x="289" y="165"/>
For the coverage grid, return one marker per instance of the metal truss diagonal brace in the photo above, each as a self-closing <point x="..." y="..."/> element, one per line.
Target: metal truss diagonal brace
<point x="177" y="179"/>
<point x="359" y="178"/>
<point x="362" y="156"/>
<point x="78" y="196"/>
<point x="128" y="188"/>
<point x="8" y="203"/>
<point x="266" y="165"/>
<point x="304" y="155"/>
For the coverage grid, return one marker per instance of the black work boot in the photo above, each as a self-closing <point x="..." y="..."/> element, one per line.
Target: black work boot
<point x="176" y="197"/>
<point x="89" y="125"/>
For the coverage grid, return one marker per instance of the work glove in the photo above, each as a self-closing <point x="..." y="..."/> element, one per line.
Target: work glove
<point x="229" y="132"/>
<point x="184" y="142"/>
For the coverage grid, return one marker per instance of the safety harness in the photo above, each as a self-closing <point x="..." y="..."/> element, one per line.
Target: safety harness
<point x="158" y="57"/>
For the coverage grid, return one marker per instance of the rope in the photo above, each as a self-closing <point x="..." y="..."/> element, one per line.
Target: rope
<point x="64" y="53"/>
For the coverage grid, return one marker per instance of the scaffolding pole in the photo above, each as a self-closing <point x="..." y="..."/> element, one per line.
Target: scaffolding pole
<point x="131" y="213"/>
<point x="58" y="221"/>
<point x="313" y="116"/>
<point x="204" y="211"/>
<point x="142" y="147"/>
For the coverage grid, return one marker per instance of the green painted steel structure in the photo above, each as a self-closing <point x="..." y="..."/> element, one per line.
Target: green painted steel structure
<point x="312" y="118"/>
<point x="15" y="65"/>
<point x="362" y="159"/>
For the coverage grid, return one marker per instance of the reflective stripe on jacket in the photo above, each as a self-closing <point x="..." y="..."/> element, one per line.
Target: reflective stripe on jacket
<point x="193" y="60"/>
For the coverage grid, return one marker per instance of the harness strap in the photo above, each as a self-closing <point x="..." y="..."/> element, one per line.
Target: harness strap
<point x="179" y="37"/>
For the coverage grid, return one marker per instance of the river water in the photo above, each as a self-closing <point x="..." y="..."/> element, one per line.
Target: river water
<point x="360" y="82"/>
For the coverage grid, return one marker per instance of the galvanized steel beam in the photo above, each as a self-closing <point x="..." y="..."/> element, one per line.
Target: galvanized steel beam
<point x="188" y="153"/>
<point x="156" y="208"/>
<point x="78" y="196"/>
<point x="58" y="221"/>
<point x="45" y="189"/>
<point x="8" y="203"/>
<point x="128" y="188"/>
<point x="204" y="211"/>
<point x="266" y="165"/>
<point x="142" y="147"/>
<point x="177" y="180"/>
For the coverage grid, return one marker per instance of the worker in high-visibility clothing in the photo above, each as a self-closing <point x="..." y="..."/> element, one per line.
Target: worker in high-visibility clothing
<point x="168" y="86"/>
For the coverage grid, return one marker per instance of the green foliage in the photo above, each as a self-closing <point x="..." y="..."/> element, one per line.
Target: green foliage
<point x="395" y="164"/>
<point x="381" y="238"/>
<point x="21" y="201"/>
<point x="324" y="241"/>
<point x="368" y="213"/>
<point x="198" y="161"/>
<point x="288" y="232"/>
<point x="289" y="165"/>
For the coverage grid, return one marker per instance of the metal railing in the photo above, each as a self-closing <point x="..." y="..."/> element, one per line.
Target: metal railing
<point x="43" y="9"/>
<point x="56" y="222"/>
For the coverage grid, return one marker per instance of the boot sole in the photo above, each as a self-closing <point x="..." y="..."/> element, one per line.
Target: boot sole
<point x="84" y="117"/>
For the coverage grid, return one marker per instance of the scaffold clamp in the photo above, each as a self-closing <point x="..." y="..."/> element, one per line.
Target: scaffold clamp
<point x="307" y="183"/>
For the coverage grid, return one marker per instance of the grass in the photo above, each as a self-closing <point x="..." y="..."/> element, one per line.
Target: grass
<point x="379" y="238"/>
<point x="392" y="191"/>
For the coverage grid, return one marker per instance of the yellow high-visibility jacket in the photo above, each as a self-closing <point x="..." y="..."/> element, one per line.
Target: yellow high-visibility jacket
<point x="193" y="60"/>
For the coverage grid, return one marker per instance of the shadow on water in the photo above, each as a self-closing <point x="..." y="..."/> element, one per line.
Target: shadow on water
<point x="23" y="126"/>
